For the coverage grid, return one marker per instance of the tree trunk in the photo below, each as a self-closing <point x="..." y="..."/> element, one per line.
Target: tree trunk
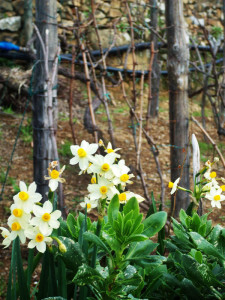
<point x="43" y="131"/>
<point x="178" y="60"/>
<point x="154" y="107"/>
<point x="222" y="105"/>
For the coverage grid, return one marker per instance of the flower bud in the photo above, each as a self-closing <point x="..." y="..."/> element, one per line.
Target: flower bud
<point x="62" y="248"/>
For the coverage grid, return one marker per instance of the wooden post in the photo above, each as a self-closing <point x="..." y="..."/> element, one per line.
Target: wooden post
<point x="177" y="63"/>
<point x="44" y="99"/>
<point x="154" y="105"/>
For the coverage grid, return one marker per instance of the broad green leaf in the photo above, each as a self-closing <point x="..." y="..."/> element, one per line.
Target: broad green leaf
<point x="131" y="205"/>
<point x="71" y="224"/>
<point x="73" y="257"/>
<point x="140" y="250"/>
<point x="86" y="275"/>
<point x="135" y="238"/>
<point x="113" y="209"/>
<point x="154" y="223"/>
<point x="96" y="240"/>
<point x="203" y="245"/>
<point x="190" y="290"/>
<point x="198" y="257"/>
<point x="183" y="216"/>
<point x="202" y="230"/>
<point x="195" y="222"/>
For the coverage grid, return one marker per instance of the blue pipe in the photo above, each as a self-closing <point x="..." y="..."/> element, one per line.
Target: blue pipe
<point x="8" y="46"/>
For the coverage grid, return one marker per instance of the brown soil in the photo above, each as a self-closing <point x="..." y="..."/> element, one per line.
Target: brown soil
<point x="76" y="186"/>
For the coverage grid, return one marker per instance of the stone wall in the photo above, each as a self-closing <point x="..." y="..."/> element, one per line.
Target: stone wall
<point x="111" y="17"/>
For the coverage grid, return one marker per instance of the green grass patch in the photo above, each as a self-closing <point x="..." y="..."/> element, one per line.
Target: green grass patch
<point x="27" y="132"/>
<point x="64" y="149"/>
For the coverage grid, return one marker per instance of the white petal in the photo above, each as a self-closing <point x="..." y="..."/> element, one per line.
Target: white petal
<point x="22" y="236"/>
<point x="36" y="197"/>
<point x="28" y="206"/>
<point x="84" y="145"/>
<point x="74" y="149"/>
<point x="37" y="210"/>
<point x="74" y="160"/>
<point x="83" y="164"/>
<point x="44" y="228"/>
<point x="47" y="207"/>
<point x="92" y="148"/>
<point x="32" y="188"/>
<point x="54" y="224"/>
<point x="35" y="221"/>
<point x="32" y="244"/>
<point x="41" y="247"/>
<point x="23" y="186"/>
<point x="56" y="214"/>
<point x="53" y="184"/>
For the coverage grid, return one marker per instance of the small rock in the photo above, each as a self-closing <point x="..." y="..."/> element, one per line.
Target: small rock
<point x="6" y="6"/>
<point x="11" y="24"/>
<point x="114" y="13"/>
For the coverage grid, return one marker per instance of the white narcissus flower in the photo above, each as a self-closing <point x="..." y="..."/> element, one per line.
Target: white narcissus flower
<point x="54" y="178"/>
<point x="125" y="196"/>
<point x="101" y="190"/>
<point x="83" y="154"/>
<point x="38" y="239"/>
<point x="90" y="204"/>
<point x="26" y="198"/>
<point x="109" y="149"/>
<point x="215" y="197"/>
<point x="19" y="215"/>
<point x="173" y="185"/>
<point x="121" y="172"/>
<point x="102" y="165"/>
<point x="45" y="218"/>
<point x="5" y="234"/>
<point x="17" y="230"/>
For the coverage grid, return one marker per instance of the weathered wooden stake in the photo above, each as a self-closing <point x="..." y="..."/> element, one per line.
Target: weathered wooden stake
<point x="178" y="61"/>
<point x="44" y="99"/>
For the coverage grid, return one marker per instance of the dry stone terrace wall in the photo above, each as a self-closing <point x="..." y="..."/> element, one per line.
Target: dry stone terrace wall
<point x="110" y="15"/>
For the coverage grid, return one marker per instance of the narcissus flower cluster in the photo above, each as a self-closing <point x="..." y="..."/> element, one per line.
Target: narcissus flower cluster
<point x="109" y="175"/>
<point x="206" y="186"/>
<point x="29" y="219"/>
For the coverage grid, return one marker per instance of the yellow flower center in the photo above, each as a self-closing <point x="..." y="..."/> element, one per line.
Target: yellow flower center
<point x="170" y="185"/>
<point x="110" y="150"/>
<point x="5" y="236"/>
<point x="103" y="190"/>
<point x="213" y="174"/>
<point x="93" y="180"/>
<point x="54" y="174"/>
<point x="15" y="226"/>
<point x="124" y="177"/>
<point x="88" y="205"/>
<point x="105" y="167"/>
<point x="81" y="152"/>
<point x="217" y="198"/>
<point x="23" y="196"/>
<point x="39" y="237"/>
<point x="223" y="188"/>
<point x="122" y="197"/>
<point x="46" y="217"/>
<point x="17" y="212"/>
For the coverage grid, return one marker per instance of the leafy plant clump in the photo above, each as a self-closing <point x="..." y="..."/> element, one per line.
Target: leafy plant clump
<point x="114" y="257"/>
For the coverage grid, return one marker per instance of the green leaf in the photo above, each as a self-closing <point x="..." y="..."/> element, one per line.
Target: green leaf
<point x="113" y="209"/>
<point x="190" y="290"/>
<point x="131" y="205"/>
<point x="96" y="240"/>
<point x="86" y="275"/>
<point x="71" y="224"/>
<point x="205" y="246"/>
<point x="140" y="250"/>
<point x="195" y="222"/>
<point x="73" y="257"/>
<point x="198" y="257"/>
<point x="135" y="238"/>
<point x="154" y="223"/>
<point x="54" y="298"/>
<point x="183" y="216"/>
<point x="23" y="290"/>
